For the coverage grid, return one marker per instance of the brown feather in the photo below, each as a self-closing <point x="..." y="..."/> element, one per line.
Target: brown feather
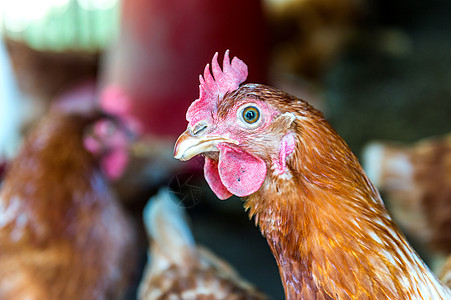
<point x="62" y="233"/>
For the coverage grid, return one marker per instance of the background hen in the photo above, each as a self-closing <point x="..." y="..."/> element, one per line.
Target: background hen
<point x="177" y="268"/>
<point x="416" y="182"/>
<point x="63" y="235"/>
<point x="324" y="221"/>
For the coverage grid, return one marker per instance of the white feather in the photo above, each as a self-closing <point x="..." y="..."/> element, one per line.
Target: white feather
<point x="372" y="162"/>
<point x="166" y="225"/>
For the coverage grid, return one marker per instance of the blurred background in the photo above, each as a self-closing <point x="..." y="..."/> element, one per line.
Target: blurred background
<point x="379" y="70"/>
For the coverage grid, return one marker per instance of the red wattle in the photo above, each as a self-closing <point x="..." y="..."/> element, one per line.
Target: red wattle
<point x="211" y="174"/>
<point x="240" y="172"/>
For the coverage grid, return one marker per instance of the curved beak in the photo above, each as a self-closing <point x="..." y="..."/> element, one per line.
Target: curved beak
<point x="187" y="146"/>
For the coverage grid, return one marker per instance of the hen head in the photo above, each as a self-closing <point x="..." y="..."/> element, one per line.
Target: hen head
<point x="245" y="132"/>
<point x="109" y="140"/>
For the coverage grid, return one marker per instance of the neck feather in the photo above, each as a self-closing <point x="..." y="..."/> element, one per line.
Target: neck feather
<point x="331" y="234"/>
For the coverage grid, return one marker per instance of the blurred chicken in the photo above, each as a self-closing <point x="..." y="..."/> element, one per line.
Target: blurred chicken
<point x="62" y="233"/>
<point x="114" y="142"/>
<point x="416" y="180"/>
<point x="178" y="269"/>
<point x="324" y="221"/>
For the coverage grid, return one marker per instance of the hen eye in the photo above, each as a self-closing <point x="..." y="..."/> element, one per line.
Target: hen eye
<point x="251" y="114"/>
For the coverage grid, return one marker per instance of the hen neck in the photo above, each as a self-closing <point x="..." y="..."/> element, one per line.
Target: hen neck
<point x="336" y="240"/>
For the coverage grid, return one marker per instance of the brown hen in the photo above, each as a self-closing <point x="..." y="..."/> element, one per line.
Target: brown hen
<point x="324" y="221"/>
<point x="62" y="233"/>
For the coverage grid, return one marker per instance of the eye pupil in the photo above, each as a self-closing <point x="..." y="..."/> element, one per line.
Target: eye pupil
<point x="251" y="114"/>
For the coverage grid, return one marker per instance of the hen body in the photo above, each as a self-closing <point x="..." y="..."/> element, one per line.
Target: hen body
<point x="416" y="179"/>
<point x="63" y="236"/>
<point x="324" y="221"/>
<point x="178" y="269"/>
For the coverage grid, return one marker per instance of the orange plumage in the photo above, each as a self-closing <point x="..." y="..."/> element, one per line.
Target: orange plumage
<point x="62" y="233"/>
<point x="324" y="221"/>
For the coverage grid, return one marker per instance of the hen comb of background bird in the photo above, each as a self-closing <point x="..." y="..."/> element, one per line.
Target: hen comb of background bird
<point x="213" y="87"/>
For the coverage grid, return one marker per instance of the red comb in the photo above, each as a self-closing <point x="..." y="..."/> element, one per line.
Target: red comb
<point x="213" y="87"/>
